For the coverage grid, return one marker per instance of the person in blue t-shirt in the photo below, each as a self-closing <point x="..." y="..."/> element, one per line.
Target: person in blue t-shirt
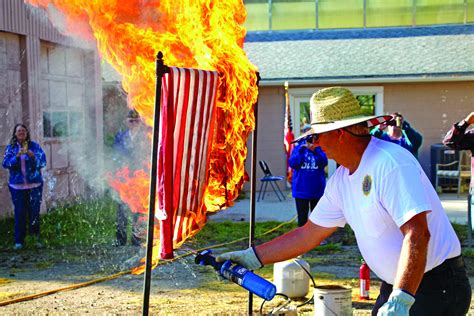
<point x="309" y="179"/>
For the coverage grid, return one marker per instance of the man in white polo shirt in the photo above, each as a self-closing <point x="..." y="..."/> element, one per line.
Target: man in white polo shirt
<point x="381" y="191"/>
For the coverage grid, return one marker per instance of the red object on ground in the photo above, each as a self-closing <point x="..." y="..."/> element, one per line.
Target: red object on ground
<point x="364" y="281"/>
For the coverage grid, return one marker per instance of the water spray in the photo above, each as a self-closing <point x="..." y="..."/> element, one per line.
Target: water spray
<point x="239" y="275"/>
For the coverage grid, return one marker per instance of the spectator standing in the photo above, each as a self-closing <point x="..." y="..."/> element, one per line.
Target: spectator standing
<point x="382" y="192"/>
<point x="128" y="153"/>
<point x="399" y="131"/>
<point x="309" y="179"/>
<point x="459" y="138"/>
<point x="24" y="159"/>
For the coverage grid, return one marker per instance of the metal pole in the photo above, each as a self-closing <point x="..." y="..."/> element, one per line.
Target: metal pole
<point x="160" y="70"/>
<point x="469" y="220"/>
<point x="253" y="180"/>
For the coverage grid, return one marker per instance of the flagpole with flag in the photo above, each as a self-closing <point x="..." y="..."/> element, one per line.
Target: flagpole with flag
<point x="288" y="133"/>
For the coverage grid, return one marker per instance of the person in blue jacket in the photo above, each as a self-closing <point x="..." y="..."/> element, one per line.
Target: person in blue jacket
<point x="309" y="179"/>
<point x="24" y="160"/>
<point x="128" y="151"/>
<point x="400" y="132"/>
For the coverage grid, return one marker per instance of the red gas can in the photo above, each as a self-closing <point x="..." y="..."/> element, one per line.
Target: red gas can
<point x="364" y="281"/>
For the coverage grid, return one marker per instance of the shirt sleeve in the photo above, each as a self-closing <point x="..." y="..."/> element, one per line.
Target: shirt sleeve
<point x="458" y="138"/>
<point x="402" y="193"/>
<point x="328" y="213"/>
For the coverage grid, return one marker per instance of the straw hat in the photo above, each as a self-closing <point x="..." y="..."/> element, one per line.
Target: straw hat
<point x="334" y="108"/>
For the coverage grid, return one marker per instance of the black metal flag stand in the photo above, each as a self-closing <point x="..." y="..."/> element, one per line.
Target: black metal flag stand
<point x="253" y="180"/>
<point x="161" y="69"/>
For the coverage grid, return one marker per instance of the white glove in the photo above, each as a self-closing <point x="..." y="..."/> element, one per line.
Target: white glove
<point x="398" y="304"/>
<point x="246" y="258"/>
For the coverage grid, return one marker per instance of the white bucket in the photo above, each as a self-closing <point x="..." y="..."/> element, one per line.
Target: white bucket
<point x="332" y="300"/>
<point x="290" y="278"/>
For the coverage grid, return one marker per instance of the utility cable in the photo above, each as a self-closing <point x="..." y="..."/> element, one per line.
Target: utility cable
<point x="119" y="274"/>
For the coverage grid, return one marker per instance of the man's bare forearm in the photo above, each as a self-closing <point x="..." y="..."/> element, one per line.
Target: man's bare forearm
<point x="412" y="263"/>
<point x="293" y="243"/>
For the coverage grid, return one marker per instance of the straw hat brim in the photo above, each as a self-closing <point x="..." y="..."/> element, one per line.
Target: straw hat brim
<point x="319" y="128"/>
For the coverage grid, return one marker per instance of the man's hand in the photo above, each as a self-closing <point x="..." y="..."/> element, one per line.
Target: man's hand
<point x="470" y="118"/>
<point x="398" y="304"/>
<point x="246" y="258"/>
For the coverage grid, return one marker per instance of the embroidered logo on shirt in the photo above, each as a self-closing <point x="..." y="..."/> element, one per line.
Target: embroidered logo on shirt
<point x="367" y="185"/>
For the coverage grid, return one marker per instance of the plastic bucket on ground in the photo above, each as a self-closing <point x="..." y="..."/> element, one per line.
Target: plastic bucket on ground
<point x="332" y="300"/>
<point x="290" y="278"/>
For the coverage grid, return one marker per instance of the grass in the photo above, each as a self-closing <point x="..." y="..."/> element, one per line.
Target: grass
<point x="82" y="223"/>
<point x="92" y="222"/>
<point x="222" y="232"/>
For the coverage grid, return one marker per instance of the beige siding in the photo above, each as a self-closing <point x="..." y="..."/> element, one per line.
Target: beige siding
<point x="430" y="107"/>
<point x="271" y="113"/>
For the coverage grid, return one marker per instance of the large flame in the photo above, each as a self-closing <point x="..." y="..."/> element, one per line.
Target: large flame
<point x="205" y="34"/>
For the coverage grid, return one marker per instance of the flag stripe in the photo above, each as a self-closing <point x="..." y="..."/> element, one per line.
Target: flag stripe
<point x="189" y="98"/>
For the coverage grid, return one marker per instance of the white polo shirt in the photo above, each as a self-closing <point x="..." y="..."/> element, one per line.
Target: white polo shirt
<point x="388" y="188"/>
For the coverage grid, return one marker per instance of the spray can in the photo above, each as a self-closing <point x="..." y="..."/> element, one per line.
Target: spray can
<point x="364" y="281"/>
<point x="239" y="275"/>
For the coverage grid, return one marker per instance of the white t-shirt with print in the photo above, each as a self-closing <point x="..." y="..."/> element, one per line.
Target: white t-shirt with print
<point x="388" y="188"/>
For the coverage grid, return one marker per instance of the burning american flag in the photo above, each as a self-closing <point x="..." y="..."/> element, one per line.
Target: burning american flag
<point x="203" y="34"/>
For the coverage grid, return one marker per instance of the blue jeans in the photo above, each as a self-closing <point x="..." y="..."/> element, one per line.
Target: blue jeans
<point x="445" y="290"/>
<point x="26" y="203"/>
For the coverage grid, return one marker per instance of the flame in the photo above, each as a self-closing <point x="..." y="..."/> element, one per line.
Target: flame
<point x="205" y="34"/>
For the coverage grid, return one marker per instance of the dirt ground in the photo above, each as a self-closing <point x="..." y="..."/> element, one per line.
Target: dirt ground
<point x="180" y="287"/>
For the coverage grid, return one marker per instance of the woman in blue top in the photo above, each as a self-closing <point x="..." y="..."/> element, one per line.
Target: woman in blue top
<point x="309" y="179"/>
<point x="24" y="160"/>
<point x="400" y="132"/>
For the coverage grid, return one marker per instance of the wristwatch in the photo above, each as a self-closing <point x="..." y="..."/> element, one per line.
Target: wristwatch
<point x="463" y="124"/>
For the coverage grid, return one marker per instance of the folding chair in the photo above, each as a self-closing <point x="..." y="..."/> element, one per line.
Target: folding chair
<point x="269" y="178"/>
<point x="457" y="170"/>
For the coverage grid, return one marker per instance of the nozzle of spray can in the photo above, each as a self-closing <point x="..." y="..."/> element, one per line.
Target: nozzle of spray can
<point x="364" y="281"/>
<point x="239" y="275"/>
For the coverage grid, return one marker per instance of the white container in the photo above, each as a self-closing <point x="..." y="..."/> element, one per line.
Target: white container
<point x="330" y="300"/>
<point x="290" y="279"/>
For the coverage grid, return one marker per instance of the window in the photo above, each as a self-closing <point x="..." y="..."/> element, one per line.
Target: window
<point x="62" y="124"/>
<point x="470" y="11"/>
<point x="367" y="103"/>
<point x="293" y="15"/>
<point x="370" y="98"/>
<point x="381" y="13"/>
<point x="340" y="14"/>
<point x="333" y="14"/>
<point x="62" y="91"/>
<point x="439" y="11"/>
<point x="257" y="15"/>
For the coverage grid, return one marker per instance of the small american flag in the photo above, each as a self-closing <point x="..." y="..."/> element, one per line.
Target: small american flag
<point x="188" y="99"/>
<point x="288" y="137"/>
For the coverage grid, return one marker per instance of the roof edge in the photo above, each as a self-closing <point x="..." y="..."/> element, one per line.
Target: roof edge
<point x="371" y="80"/>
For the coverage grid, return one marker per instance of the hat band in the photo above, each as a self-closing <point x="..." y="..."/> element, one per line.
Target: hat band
<point x="328" y="122"/>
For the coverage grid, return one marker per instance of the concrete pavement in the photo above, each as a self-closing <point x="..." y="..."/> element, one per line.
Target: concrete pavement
<point x="272" y="209"/>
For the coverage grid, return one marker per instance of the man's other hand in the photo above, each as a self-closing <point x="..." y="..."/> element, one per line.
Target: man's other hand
<point x="398" y="304"/>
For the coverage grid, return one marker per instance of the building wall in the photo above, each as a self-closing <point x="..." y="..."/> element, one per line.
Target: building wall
<point x="430" y="107"/>
<point x="270" y="147"/>
<point x="42" y="71"/>
<point x="10" y="102"/>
